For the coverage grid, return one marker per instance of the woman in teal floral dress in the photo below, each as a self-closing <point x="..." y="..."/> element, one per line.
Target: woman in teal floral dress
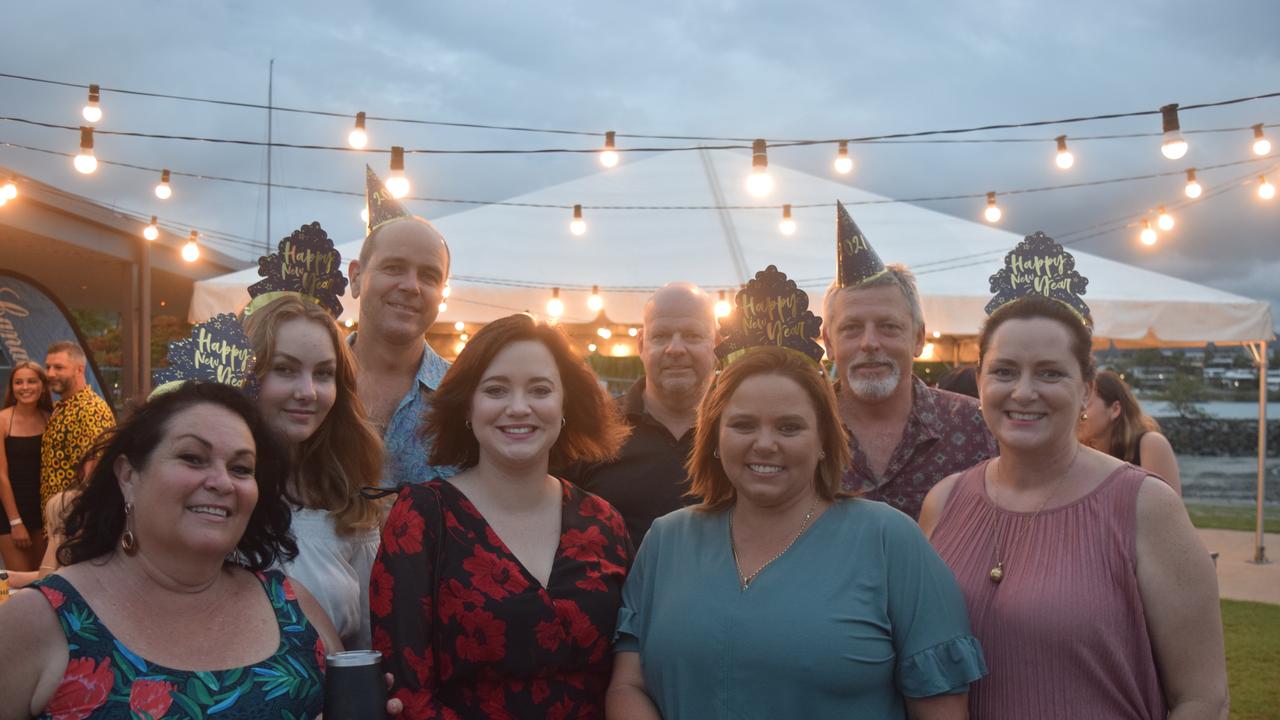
<point x="148" y="618"/>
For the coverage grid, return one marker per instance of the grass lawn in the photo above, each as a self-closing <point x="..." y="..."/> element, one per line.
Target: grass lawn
<point x="1253" y="658"/>
<point x="1232" y="517"/>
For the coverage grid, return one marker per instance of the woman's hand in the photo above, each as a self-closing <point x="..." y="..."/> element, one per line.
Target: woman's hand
<point x="20" y="536"/>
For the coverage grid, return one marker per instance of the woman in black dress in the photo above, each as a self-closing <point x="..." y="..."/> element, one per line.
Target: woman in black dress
<point x="495" y="593"/>
<point x="27" y="405"/>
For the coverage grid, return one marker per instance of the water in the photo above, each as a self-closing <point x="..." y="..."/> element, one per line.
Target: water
<point x="1227" y="480"/>
<point x="1218" y="409"/>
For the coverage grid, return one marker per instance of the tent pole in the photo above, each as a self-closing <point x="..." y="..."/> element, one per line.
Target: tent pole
<point x="1260" y="550"/>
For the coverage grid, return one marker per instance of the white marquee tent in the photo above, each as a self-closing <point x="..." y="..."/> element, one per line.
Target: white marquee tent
<point x="506" y="259"/>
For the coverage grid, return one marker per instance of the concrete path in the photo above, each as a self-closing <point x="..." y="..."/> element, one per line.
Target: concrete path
<point x="1238" y="577"/>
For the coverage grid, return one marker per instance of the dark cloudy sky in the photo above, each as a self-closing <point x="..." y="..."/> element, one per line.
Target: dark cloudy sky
<point x="796" y="69"/>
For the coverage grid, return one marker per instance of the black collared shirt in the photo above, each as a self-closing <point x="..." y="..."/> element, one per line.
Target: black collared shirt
<point x="648" y="480"/>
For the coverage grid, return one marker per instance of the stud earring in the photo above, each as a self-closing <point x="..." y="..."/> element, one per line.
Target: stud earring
<point x="1084" y="415"/>
<point x="467" y="422"/>
<point x="563" y="420"/>
<point x="716" y="453"/>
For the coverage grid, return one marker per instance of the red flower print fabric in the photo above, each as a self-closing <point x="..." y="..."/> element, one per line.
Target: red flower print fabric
<point x="469" y="633"/>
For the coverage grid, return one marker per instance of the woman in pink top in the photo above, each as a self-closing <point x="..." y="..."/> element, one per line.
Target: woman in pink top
<point x="1085" y="581"/>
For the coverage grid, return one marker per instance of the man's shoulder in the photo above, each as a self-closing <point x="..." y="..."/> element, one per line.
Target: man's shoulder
<point x="432" y="367"/>
<point x="947" y="405"/>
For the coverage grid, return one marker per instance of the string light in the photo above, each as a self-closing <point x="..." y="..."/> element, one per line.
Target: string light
<point x="442" y="307"/>
<point x="364" y="215"/>
<point x="787" y="226"/>
<point x="555" y="308"/>
<point x="85" y="162"/>
<point x="577" y="226"/>
<point x="1065" y="159"/>
<point x="722" y="306"/>
<point x="163" y="191"/>
<point x="591" y="347"/>
<point x="447" y="290"/>
<point x="459" y="326"/>
<point x="1261" y="145"/>
<point x="92" y="111"/>
<point x="609" y="156"/>
<point x="1148" y="235"/>
<point x="1266" y="190"/>
<point x="348" y="323"/>
<point x="1172" y="146"/>
<point x="759" y="182"/>
<point x="992" y="213"/>
<point x="191" y="251"/>
<point x="459" y="346"/>
<point x="632" y="331"/>
<point x="604" y="333"/>
<point x="9" y="190"/>
<point x="151" y="231"/>
<point x="1164" y="221"/>
<point x="595" y="303"/>
<point x="358" y="138"/>
<point x="1193" y="189"/>
<point x="843" y="163"/>
<point x="464" y="337"/>
<point x="397" y="184"/>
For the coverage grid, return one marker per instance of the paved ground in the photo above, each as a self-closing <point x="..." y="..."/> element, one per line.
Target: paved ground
<point x="1238" y="577"/>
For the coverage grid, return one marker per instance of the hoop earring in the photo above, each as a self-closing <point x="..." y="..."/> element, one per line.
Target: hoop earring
<point x="467" y="422"/>
<point x="128" y="542"/>
<point x="716" y="453"/>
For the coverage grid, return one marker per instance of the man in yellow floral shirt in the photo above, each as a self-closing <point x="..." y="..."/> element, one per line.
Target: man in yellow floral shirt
<point x="78" y="419"/>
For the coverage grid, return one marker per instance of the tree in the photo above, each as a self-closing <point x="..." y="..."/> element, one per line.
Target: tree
<point x="1184" y="393"/>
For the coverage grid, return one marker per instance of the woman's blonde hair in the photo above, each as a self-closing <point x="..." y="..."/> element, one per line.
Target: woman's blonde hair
<point x="707" y="478"/>
<point x="344" y="453"/>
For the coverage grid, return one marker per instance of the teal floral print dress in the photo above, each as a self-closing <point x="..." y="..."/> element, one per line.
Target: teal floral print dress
<point x="105" y="680"/>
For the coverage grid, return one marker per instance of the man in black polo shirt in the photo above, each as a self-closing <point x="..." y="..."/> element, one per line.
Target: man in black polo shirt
<point x="677" y="343"/>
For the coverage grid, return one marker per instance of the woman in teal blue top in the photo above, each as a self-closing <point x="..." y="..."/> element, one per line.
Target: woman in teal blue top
<point x="777" y="596"/>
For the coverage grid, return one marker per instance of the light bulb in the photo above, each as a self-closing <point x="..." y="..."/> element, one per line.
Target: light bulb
<point x="1173" y="146"/>
<point x="604" y="332"/>
<point x="1148" y="235"/>
<point x="447" y="290"/>
<point x="442" y="307"/>
<point x="358" y="138"/>
<point x="788" y="225"/>
<point x="151" y="232"/>
<point x="595" y="303"/>
<point x="591" y="347"/>
<point x="464" y="337"/>
<point x="86" y="163"/>
<point x="759" y="182"/>
<point x="163" y="191"/>
<point x="1266" y="190"/>
<point x="632" y="331"/>
<point x="843" y="163"/>
<point x="459" y="346"/>
<point x="91" y="111"/>
<point x="9" y="190"/>
<point x="397" y="184"/>
<point x="1261" y="145"/>
<point x="459" y="326"/>
<point x="191" y="250"/>
<point x="609" y="156"/>
<point x="1193" y="188"/>
<point x="348" y="323"/>
<point x="555" y="308"/>
<point x="1165" y="220"/>
<point x="577" y="226"/>
<point x="992" y="213"/>
<point x="1065" y="159"/>
<point x="364" y="215"/>
<point x="722" y="306"/>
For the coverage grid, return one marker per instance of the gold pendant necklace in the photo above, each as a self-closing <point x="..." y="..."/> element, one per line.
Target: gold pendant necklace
<point x="997" y="570"/>
<point x="746" y="579"/>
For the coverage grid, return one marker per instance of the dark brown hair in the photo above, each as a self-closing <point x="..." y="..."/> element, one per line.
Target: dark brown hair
<point x="45" y="401"/>
<point x="1035" y="306"/>
<point x="1124" y="431"/>
<point x="96" y="519"/>
<point x="707" y="478"/>
<point x="593" y="428"/>
<point x="345" y="453"/>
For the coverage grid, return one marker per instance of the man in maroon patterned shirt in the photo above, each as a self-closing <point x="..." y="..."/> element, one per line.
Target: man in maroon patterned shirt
<point x="905" y="435"/>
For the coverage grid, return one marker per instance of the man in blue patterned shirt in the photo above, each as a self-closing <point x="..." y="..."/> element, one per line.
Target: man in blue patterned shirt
<point x="399" y="279"/>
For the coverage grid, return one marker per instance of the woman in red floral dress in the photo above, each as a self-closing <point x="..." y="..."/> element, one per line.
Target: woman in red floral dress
<point x="496" y="592"/>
